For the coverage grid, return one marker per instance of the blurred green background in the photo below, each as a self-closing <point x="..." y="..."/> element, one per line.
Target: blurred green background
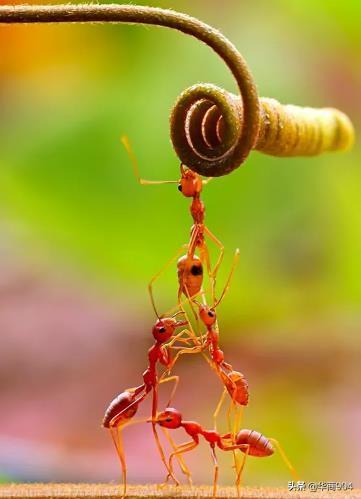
<point x="80" y="239"/>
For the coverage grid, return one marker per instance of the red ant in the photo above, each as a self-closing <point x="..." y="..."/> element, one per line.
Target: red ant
<point x="190" y="266"/>
<point x="123" y="407"/>
<point x="234" y="382"/>
<point x="250" y="442"/>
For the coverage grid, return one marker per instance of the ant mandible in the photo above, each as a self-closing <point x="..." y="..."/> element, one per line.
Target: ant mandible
<point x="124" y="407"/>
<point x="250" y="442"/>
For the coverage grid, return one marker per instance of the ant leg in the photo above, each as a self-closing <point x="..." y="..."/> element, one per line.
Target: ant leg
<point x="218" y="408"/>
<point x="216" y="468"/>
<point x="176" y="383"/>
<point x="238" y="413"/>
<point x="192" y="245"/>
<point x="173" y="309"/>
<point x="158" y="274"/>
<point x="285" y="458"/>
<point x="218" y="243"/>
<point x="190" y="302"/>
<point x="192" y="334"/>
<point x="232" y="430"/>
<point x="181" y="449"/>
<point x="191" y="350"/>
<point x="179" y="337"/>
<point x="118" y="442"/>
<point x="125" y="141"/>
<point x="238" y="417"/>
<point x="156" y="436"/>
<point x="205" y="182"/>
<point x="196" y="316"/>
<point x="182" y="464"/>
<point x="204" y="255"/>
<point x="228" y="282"/>
<point x="240" y="471"/>
<point x="115" y="432"/>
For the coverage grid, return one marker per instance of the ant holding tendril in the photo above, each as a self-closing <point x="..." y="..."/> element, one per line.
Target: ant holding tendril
<point x="190" y="266"/>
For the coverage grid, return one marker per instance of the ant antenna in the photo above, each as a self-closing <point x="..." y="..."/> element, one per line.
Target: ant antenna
<point x="228" y="282"/>
<point x="152" y="301"/>
<point x="126" y="143"/>
<point x="178" y="313"/>
<point x="180" y="304"/>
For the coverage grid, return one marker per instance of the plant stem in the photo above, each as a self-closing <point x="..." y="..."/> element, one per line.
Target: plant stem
<point x="212" y="130"/>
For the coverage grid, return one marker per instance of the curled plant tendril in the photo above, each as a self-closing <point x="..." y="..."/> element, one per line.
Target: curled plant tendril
<point x="212" y="130"/>
<point x="206" y="124"/>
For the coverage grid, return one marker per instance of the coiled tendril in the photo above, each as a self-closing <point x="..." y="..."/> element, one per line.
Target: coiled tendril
<point x="212" y="130"/>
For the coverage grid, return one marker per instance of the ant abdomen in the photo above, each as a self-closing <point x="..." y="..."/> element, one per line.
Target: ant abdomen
<point x="259" y="445"/>
<point x="237" y="387"/>
<point x="190" y="275"/>
<point x="119" y="405"/>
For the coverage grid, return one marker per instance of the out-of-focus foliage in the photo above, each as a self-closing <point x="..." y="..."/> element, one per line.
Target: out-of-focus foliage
<point x="80" y="239"/>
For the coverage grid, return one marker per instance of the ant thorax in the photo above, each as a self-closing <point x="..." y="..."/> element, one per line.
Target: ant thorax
<point x="197" y="210"/>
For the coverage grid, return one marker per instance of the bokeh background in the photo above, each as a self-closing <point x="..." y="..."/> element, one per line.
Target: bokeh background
<point x="80" y="239"/>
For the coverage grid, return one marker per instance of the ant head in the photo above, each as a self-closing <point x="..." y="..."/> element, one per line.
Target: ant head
<point x="190" y="183"/>
<point x="170" y="418"/>
<point x="164" y="328"/>
<point x="207" y="314"/>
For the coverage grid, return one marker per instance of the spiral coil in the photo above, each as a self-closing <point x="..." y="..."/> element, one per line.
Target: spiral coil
<point x="206" y="123"/>
<point x="212" y="130"/>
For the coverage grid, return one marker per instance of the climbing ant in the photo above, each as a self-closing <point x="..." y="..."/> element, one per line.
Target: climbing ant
<point x="124" y="407"/>
<point x="250" y="442"/>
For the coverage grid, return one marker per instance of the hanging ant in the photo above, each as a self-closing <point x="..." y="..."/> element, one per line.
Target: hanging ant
<point x="189" y="266"/>
<point x="250" y="442"/>
<point x="124" y="407"/>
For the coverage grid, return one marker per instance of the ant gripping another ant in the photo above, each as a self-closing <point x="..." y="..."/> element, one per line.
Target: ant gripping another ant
<point x="123" y="408"/>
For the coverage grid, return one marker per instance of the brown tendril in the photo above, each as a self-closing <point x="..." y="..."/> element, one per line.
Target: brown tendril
<point x="212" y="130"/>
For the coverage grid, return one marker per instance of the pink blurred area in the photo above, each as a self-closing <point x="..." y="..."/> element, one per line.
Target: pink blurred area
<point x="68" y="349"/>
